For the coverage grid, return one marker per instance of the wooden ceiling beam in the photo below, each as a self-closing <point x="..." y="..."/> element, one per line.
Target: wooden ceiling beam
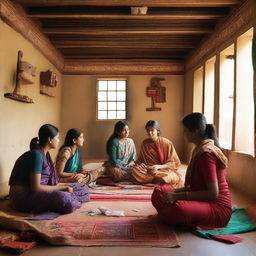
<point x="125" y="57"/>
<point x="134" y="45"/>
<point x="129" y="17"/>
<point x="149" y="3"/>
<point x="66" y="39"/>
<point x="96" y="32"/>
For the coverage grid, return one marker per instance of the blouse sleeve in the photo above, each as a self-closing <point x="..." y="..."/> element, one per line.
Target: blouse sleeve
<point x="208" y="166"/>
<point x="36" y="162"/>
<point x="113" y="152"/>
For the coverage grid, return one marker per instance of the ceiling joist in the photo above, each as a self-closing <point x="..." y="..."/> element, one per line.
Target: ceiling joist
<point x="128" y="17"/>
<point x="148" y="3"/>
<point x="92" y="32"/>
<point x="106" y="29"/>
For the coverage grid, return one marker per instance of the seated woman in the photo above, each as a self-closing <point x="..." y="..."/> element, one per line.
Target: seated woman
<point x="205" y="199"/>
<point x="69" y="165"/>
<point x="122" y="153"/>
<point x="158" y="161"/>
<point x="33" y="182"/>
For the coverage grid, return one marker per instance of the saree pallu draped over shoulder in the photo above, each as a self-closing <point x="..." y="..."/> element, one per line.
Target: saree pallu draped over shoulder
<point x="207" y="146"/>
<point x="160" y="152"/>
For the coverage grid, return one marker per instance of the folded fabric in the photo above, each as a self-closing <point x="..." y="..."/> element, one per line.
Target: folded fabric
<point x="240" y="222"/>
<point x="43" y="216"/>
<point x="8" y="235"/>
<point x="227" y="238"/>
<point x="17" y="247"/>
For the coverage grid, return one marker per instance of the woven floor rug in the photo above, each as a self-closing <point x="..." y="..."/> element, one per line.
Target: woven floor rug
<point x="139" y="227"/>
<point x="118" y="232"/>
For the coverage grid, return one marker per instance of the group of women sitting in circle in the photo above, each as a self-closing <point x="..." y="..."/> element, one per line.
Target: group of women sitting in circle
<point x="38" y="185"/>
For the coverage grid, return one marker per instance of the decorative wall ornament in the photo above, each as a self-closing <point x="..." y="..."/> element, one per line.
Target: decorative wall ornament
<point x="24" y="75"/>
<point x="48" y="80"/>
<point x="156" y="92"/>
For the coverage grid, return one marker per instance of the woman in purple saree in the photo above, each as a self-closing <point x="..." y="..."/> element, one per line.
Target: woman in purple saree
<point x="34" y="184"/>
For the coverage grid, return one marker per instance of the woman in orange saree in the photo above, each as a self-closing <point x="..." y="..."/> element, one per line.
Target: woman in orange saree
<point x="158" y="161"/>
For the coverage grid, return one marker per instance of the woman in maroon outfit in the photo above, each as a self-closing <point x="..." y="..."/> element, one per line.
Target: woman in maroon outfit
<point x="204" y="201"/>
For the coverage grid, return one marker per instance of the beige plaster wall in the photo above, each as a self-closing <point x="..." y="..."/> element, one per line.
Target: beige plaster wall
<point x="21" y="121"/>
<point x="79" y="110"/>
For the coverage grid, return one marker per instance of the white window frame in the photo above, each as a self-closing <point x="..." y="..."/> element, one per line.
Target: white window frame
<point x="111" y="101"/>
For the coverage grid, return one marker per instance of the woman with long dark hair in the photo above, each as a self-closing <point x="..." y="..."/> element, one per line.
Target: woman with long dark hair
<point x="158" y="161"/>
<point x="34" y="183"/>
<point x="121" y="151"/>
<point x="69" y="164"/>
<point x="204" y="200"/>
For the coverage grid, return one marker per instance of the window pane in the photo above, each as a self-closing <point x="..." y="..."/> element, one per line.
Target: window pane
<point x="244" y="126"/>
<point x="103" y="85"/>
<point x="121" y="85"/>
<point x="111" y="114"/>
<point x="226" y="97"/>
<point x="121" y="96"/>
<point x="111" y="105"/>
<point x="102" y="115"/>
<point x="111" y="96"/>
<point x="102" y="105"/>
<point x="121" y="115"/>
<point x="111" y="85"/>
<point x="120" y="105"/>
<point x="198" y="91"/>
<point x="111" y="99"/>
<point x="209" y="90"/>
<point x="102" y="96"/>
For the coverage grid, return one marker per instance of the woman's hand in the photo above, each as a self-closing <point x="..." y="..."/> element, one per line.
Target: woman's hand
<point x="169" y="198"/>
<point x="157" y="166"/>
<point x="69" y="189"/>
<point x="151" y="170"/>
<point x="79" y="177"/>
<point x="131" y="163"/>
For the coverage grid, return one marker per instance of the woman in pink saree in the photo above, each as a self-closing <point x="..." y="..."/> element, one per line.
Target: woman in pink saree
<point x="158" y="161"/>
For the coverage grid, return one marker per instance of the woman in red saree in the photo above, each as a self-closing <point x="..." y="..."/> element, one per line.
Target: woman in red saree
<point x="158" y="161"/>
<point x="204" y="201"/>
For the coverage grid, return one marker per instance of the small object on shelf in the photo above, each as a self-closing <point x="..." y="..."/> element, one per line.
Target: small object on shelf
<point x="48" y="80"/>
<point x="44" y="92"/>
<point x="156" y="92"/>
<point x="25" y="73"/>
<point x="139" y="10"/>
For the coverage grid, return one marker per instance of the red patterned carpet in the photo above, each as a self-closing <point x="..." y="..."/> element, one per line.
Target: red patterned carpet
<point x="139" y="226"/>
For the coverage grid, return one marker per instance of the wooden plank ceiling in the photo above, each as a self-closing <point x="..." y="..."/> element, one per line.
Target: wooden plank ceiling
<point x="106" y="29"/>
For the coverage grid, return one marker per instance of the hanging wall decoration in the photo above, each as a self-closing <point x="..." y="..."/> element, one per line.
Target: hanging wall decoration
<point x="24" y="75"/>
<point x="48" y="81"/>
<point x="156" y="92"/>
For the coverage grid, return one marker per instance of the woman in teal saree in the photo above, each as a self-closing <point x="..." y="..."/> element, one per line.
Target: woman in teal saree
<point x="69" y="164"/>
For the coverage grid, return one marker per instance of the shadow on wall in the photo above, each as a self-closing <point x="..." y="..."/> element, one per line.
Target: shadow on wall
<point x="1" y="173"/>
<point x="4" y="187"/>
